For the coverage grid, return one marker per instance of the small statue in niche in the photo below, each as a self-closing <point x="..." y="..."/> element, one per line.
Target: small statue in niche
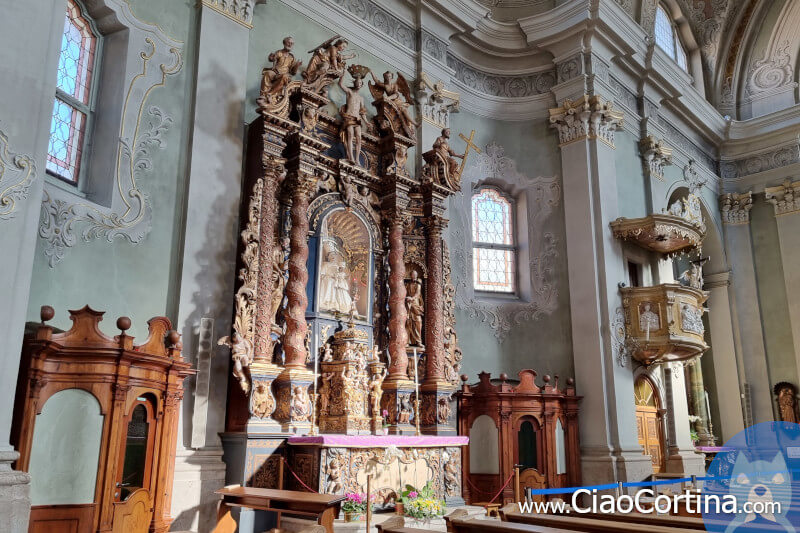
<point x="284" y="66"/>
<point x="334" y="473"/>
<point x="353" y="113"/>
<point x="325" y="392"/>
<point x="280" y="263"/>
<point x="442" y="410"/>
<point x="376" y="391"/>
<point x="441" y="147"/>
<point x="452" y="475"/>
<point x="242" y="356"/>
<point x="787" y="403"/>
<point x="395" y="91"/>
<point x="263" y="402"/>
<point x="334" y="282"/>
<point x="327" y="63"/>
<point x="300" y="406"/>
<point x="406" y="409"/>
<point x="327" y="353"/>
<point x="415" y="307"/>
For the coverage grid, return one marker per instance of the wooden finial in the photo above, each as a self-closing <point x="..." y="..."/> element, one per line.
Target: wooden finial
<point x="503" y="377"/>
<point x="174" y="340"/>
<point x="570" y="382"/>
<point x="546" y="378"/>
<point x="124" y="324"/>
<point x="47" y="313"/>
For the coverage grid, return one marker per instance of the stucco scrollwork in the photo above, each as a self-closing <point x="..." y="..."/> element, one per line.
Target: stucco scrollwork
<point x="17" y="172"/>
<point x="772" y="71"/>
<point x="142" y="129"/>
<point x="543" y="197"/>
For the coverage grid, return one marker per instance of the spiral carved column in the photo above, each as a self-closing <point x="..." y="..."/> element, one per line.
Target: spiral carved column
<point x="296" y="328"/>
<point x="273" y="170"/>
<point x="398" y="336"/>
<point x="434" y="305"/>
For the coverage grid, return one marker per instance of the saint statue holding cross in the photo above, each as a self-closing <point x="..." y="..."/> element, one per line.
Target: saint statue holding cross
<point x="441" y="147"/>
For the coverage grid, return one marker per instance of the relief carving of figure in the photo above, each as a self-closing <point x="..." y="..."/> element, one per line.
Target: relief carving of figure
<point x="452" y="476"/>
<point x="442" y="410"/>
<point x="787" y="403"/>
<point x="300" y="406"/>
<point x="334" y="282"/>
<point x="334" y="472"/>
<point x="406" y="409"/>
<point x="648" y="320"/>
<point x="263" y="402"/>
<point x="279" y="265"/>
<point x="242" y="356"/>
<point x="353" y="113"/>
<point x="692" y="319"/>
<point x="284" y="66"/>
<point x="325" y="390"/>
<point x="416" y="309"/>
<point x="327" y="63"/>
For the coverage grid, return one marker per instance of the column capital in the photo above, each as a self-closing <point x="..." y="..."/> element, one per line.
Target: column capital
<point x="656" y="155"/>
<point x="435" y="224"/>
<point x="785" y="198"/>
<point x="589" y="117"/>
<point x="240" y="11"/>
<point x="735" y="208"/>
<point x="715" y="281"/>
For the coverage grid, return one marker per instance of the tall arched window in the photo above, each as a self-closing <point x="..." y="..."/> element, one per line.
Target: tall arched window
<point x="493" y="246"/>
<point x="74" y="100"/>
<point x="667" y="38"/>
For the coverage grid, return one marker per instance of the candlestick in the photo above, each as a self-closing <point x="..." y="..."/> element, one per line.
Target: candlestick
<point x="648" y="331"/>
<point x="416" y="374"/>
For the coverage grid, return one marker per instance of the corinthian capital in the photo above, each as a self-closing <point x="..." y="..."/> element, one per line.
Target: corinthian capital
<point x="784" y="198"/>
<point x="656" y="156"/>
<point x="736" y="207"/>
<point x="240" y="11"/>
<point x="590" y="117"/>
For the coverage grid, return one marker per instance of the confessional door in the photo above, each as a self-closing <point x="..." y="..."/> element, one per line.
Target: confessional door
<point x="133" y="502"/>
<point x="648" y="423"/>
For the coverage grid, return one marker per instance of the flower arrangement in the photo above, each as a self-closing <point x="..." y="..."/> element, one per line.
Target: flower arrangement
<point x="385" y="416"/>
<point x="421" y="504"/>
<point x="355" y="503"/>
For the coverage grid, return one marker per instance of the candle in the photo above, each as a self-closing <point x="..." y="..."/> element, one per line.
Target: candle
<point x="316" y="370"/>
<point x="416" y="375"/>
<point x="648" y="331"/>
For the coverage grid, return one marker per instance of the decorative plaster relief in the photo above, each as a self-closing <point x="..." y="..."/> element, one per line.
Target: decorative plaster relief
<point x="240" y="11"/>
<point x="505" y="86"/>
<point x="382" y="20"/>
<point x="656" y="155"/>
<point x="736" y="208"/>
<point x="693" y="178"/>
<point x="570" y="68"/>
<point x="141" y="130"/>
<point x="436" y="102"/>
<point x="678" y="140"/>
<point x="785" y="198"/>
<point x="17" y="172"/>
<point x="780" y="157"/>
<point x="433" y="46"/>
<point x="590" y="117"/>
<point x="543" y="195"/>
<point x="619" y="339"/>
<point x="771" y="72"/>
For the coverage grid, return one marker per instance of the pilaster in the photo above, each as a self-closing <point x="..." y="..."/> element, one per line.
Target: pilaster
<point x="785" y="198"/>
<point x="609" y="445"/>
<point x="681" y="457"/>
<point x="735" y="208"/>
<point x="697" y="400"/>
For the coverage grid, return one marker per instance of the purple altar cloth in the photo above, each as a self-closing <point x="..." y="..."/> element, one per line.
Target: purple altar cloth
<point x="382" y="441"/>
<point x="713" y="449"/>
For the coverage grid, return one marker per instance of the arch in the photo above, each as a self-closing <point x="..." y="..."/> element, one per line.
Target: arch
<point x="484" y="455"/>
<point x="649" y="420"/>
<point x="561" y="447"/>
<point x="65" y="449"/>
<point x="528" y="445"/>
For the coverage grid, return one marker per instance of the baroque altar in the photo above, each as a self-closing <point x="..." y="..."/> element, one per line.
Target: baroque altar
<point x="344" y="309"/>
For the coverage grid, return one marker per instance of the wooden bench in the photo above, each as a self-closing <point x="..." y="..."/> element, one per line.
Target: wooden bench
<point x="510" y="513"/>
<point x="322" y="507"/>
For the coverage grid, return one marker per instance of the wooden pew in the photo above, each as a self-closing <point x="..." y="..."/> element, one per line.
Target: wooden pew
<point x="510" y="513"/>
<point x="459" y="522"/>
<point x="322" y="507"/>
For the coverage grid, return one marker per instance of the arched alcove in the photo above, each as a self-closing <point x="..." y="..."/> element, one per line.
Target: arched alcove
<point x="484" y="457"/>
<point x="66" y="449"/>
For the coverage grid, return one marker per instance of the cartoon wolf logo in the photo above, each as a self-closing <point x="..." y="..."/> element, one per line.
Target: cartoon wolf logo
<point x="761" y="482"/>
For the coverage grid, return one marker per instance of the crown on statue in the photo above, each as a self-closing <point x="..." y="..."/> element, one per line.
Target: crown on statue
<point x="358" y="71"/>
<point x="351" y="333"/>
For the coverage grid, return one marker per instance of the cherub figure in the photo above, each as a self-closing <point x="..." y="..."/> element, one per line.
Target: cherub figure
<point x="242" y="355"/>
<point x="353" y="113"/>
<point x="396" y="92"/>
<point x="334" y="473"/>
<point x="375" y="354"/>
<point x="327" y="63"/>
<point x="327" y="353"/>
<point x="284" y="66"/>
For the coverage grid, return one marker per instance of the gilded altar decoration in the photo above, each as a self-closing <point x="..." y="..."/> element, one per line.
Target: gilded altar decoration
<point x="242" y="356"/>
<point x="786" y="398"/>
<point x="262" y="400"/>
<point x="441" y="164"/>
<point x="280" y="265"/>
<point x="393" y="100"/>
<point x="327" y="64"/>
<point x="300" y="408"/>
<point x="664" y="323"/>
<point x="284" y="67"/>
<point x="415" y="307"/>
<point x="353" y="114"/>
<point x="343" y="271"/>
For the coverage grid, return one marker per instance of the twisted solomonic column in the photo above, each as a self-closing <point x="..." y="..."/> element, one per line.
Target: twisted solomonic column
<point x="296" y="327"/>
<point x="398" y="336"/>
<point x="434" y="306"/>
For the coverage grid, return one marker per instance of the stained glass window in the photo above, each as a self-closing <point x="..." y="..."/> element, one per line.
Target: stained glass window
<point x="493" y="249"/>
<point x="72" y="106"/>
<point x="667" y="38"/>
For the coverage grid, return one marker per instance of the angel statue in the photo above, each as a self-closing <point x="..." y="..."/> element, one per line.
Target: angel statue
<point x="284" y="66"/>
<point x="242" y="355"/>
<point x="397" y="94"/>
<point x="327" y="63"/>
<point x="353" y="113"/>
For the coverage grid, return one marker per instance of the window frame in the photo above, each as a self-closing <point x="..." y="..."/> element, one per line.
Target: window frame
<point x="678" y="47"/>
<point x="513" y="247"/>
<point x="89" y="110"/>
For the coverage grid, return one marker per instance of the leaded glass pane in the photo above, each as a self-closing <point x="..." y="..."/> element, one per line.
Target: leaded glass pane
<point x="66" y="140"/>
<point x="493" y="269"/>
<point x="663" y="31"/>
<point x="491" y="218"/>
<point x="76" y="61"/>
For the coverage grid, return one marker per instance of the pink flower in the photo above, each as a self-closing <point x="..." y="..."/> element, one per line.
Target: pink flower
<point x="413" y="494"/>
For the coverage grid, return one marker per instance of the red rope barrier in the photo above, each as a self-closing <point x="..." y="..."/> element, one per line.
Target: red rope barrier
<point x="498" y="492"/>
<point x="295" y="476"/>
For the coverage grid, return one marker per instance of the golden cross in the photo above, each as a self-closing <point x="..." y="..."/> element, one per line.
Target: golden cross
<point x="470" y="144"/>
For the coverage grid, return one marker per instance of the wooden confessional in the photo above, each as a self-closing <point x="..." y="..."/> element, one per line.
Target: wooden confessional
<point x="95" y="423"/>
<point x="520" y="426"/>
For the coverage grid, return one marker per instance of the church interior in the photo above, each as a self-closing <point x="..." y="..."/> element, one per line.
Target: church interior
<point x="319" y="265"/>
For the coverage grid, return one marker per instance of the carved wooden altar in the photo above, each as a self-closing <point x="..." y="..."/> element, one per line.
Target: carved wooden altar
<point x="334" y="228"/>
<point x="522" y="424"/>
<point x="132" y="391"/>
